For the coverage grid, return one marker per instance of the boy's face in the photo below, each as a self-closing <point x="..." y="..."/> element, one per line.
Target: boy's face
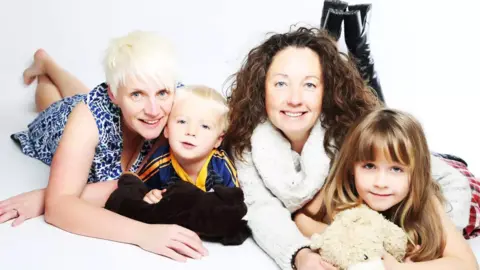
<point x="193" y="128"/>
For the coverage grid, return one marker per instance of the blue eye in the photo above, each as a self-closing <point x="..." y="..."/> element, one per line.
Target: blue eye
<point x="369" y="166"/>
<point x="311" y="85"/>
<point x="397" y="169"/>
<point x="163" y="92"/>
<point x="136" y="95"/>
<point x="280" y="84"/>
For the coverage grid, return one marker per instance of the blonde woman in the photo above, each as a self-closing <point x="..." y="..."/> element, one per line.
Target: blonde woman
<point x="93" y="136"/>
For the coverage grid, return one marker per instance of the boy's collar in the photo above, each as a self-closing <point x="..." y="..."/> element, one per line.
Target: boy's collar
<point x="202" y="175"/>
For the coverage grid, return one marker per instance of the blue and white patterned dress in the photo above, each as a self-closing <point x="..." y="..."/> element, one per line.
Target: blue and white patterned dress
<point x="41" y="138"/>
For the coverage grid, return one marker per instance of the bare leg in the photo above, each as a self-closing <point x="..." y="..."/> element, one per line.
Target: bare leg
<point x="46" y="93"/>
<point x="65" y="83"/>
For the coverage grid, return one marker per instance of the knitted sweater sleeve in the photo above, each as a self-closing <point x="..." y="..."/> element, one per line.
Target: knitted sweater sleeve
<point x="271" y="223"/>
<point x="456" y="190"/>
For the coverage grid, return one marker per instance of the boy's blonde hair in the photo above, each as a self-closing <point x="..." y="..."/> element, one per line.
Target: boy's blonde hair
<point x="140" y="55"/>
<point x="401" y="138"/>
<point x="219" y="103"/>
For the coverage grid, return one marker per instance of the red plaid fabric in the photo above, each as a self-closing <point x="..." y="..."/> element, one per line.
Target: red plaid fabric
<point x="473" y="228"/>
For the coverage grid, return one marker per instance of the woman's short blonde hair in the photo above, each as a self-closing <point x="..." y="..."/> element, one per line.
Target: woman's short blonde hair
<point x="141" y="55"/>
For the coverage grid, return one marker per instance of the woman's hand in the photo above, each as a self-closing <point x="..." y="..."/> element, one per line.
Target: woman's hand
<point x="306" y="259"/>
<point x="172" y="241"/>
<point x="32" y="204"/>
<point x="23" y="206"/>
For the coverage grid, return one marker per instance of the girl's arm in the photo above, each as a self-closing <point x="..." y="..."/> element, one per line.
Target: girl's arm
<point x="457" y="254"/>
<point x="64" y="208"/>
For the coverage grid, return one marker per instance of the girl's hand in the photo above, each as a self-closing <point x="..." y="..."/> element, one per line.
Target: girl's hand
<point x="23" y="206"/>
<point x="172" y="241"/>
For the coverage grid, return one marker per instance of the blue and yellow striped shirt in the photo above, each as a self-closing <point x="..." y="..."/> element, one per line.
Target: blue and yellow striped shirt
<point x="162" y="168"/>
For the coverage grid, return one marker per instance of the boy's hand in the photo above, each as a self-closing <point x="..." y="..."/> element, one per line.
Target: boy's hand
<point x="154" y="196"/>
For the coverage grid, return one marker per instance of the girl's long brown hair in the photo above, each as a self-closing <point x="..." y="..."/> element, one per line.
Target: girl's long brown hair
<point x="346" y="96"/>
<point x="402" y="140"/>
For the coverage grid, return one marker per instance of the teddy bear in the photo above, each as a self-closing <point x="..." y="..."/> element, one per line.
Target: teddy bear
<point x="357" y="239"/>
<point x="216" y="216"/>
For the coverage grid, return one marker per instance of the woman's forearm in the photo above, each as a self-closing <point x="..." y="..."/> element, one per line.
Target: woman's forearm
<point x="75" y="215"/>
<point x="97" y="193"/>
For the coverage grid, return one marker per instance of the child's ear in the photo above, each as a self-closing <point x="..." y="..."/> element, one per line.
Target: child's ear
<point x="219" y="140"/>
<point x="112" y="96"/>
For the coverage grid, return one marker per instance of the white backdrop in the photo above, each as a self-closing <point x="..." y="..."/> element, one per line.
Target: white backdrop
<point x="425" y="52"/>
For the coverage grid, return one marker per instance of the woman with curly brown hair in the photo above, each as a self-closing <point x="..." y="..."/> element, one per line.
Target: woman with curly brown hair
<point x="291" y="104"/>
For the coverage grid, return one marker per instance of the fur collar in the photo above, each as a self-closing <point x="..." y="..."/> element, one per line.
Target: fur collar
<point x="292" y="178"/>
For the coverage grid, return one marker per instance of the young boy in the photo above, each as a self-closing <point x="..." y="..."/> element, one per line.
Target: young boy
<point x="194" y="132"/>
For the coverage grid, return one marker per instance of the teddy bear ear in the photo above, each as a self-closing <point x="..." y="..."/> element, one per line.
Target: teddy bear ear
<point x="316" y="241"/>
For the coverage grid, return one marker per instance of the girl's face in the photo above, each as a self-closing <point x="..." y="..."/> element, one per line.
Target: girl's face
<point x="381" y="183"/>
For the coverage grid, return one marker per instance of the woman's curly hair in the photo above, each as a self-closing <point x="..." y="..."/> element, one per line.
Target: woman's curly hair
<point x="346" y="97"/>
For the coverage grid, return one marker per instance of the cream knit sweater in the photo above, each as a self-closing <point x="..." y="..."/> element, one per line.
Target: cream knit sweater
<point x="277" y="182"/>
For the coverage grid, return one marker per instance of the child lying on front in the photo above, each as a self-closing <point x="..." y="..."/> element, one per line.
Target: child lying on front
<point x="194" y="131"/>
<point x="385" y="164"/>
<point x="189" y="182"/>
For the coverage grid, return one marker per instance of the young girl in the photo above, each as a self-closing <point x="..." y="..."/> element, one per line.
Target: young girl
<point x="385" y="164"/>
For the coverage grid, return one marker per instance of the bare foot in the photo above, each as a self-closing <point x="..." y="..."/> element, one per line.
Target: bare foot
<point x="37" y="68"/>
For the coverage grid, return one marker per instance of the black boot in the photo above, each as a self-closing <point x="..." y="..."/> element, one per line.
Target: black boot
<point x="356" y="22"/>
<point x="332" y="17"/>
<point x="333" y="23"/>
